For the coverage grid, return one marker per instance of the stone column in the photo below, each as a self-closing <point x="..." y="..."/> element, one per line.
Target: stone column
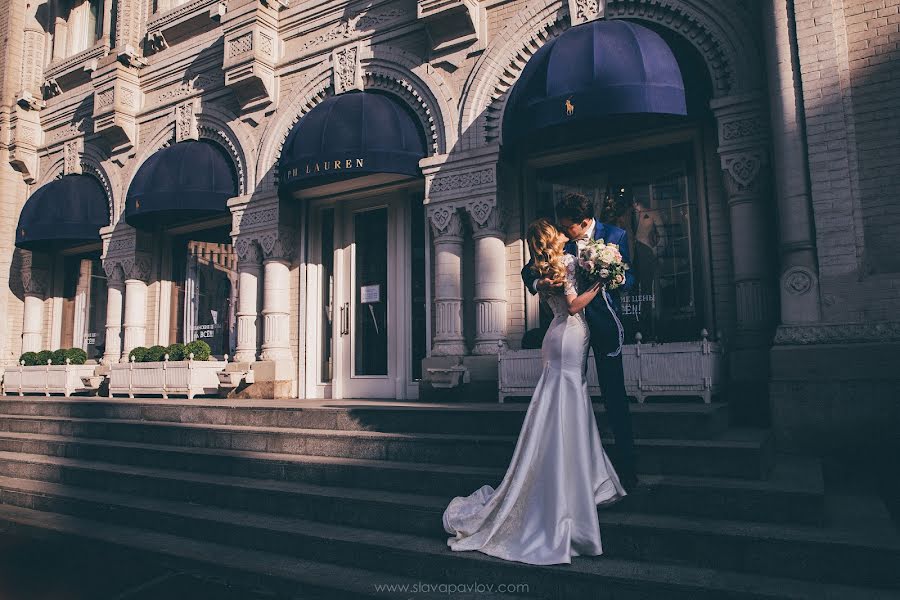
<point x="248" y="301"/>
<point x="743" y="150"/>
<point x="448" y="339"/>
<point x="34" y="283"/>
<point x="799" y="270"/>
<point x="278" y="253"/>
<point x="135" y="307"/>
<point x="490" y="281"/>
<point x="115" y="295"/>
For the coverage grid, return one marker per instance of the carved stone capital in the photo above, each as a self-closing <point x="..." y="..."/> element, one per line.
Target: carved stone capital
<point x="138" y="267"/>
<point x="486" y="216"/>
<point x="744" y="172"/>
<point x="446" y="223"/>
<point x="248" y="251"/>
<point x="34" y="281"/>
<point x="278" y="245"/>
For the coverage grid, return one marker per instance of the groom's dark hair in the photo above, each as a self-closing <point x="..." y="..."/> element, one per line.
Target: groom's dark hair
<point x="575" y="206"/>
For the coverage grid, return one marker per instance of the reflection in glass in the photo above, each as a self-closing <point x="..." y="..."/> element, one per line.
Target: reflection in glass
<point x="651" y="196"/>
<point x="370" y="341"/>
<point x="204" y="277"/>
<point x="327" y="254"/>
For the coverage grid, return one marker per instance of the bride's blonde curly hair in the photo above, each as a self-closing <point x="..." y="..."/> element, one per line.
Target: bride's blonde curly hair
<point x="547" y="251"/>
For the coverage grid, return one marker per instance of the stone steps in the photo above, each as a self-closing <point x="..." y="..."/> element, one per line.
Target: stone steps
<point x="736" y="453"/>
<point x="291" y="576"/>
<point x="670" y="421"/>
<point x="95" y="514"/>
<point x="715" y="499"/>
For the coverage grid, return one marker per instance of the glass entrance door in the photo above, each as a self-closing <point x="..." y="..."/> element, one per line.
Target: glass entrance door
<point x="367" y="312"/>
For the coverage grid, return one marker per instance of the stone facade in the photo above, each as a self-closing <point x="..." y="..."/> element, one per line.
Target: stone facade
<point x="795" y="139"/>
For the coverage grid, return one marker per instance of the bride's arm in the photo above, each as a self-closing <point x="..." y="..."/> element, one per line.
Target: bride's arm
<point x="576" y="303"/>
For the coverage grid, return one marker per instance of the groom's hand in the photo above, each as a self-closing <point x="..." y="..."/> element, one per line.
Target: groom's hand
<point x="544" y="283"/>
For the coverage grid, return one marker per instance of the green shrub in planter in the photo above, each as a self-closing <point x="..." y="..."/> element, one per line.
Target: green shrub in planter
<point x="155" y="354"/>
<point x="43" y="356"/>
<point x="176" y="352"/>
<point x="199" y="348"/>
<point x="139" y="354"/>
<point x="30" y="359"/>
<point x="77" y="356"/>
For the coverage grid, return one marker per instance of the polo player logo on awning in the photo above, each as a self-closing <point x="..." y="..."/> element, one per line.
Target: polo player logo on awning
<point x="570" y="108"/>
<point x="137" y="205"/>
<point x="22" y="232"/>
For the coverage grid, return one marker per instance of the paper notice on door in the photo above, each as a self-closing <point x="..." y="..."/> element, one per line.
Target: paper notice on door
<point x="370" y="294"/>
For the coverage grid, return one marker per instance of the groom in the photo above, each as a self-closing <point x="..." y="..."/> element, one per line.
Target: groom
<point x="574" y="214"/>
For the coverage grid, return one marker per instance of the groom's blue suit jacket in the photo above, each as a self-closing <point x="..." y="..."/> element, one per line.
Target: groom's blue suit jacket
<point x="604" y="331"/>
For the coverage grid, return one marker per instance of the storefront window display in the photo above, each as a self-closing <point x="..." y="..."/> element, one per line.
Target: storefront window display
<point x="204" y="276"/>
<point x="652" y="195"/>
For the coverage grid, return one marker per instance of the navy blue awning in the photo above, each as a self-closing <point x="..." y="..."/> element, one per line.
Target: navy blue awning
<point x="594" y="70"/>
<point x="64" y="213"/>
<point x="185" y="182"/>
<point x="354" y="134"/>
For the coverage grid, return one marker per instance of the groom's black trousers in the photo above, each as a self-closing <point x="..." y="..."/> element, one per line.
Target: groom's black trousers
<point x="611" y="377"/>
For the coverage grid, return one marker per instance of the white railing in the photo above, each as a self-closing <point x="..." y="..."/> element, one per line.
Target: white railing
<point x="183" y="377"/>
<point x="47" y="379"/>
<point x="665" y="369"/>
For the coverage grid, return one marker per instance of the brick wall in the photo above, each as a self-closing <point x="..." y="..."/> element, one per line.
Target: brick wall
<point x="848" y="52"/>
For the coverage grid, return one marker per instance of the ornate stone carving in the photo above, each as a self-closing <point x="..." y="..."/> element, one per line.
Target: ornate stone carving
<point x="345" y="65"/>
<point x="750" y="127"/>
<point x="582" y="11"/>
<point x="253" y="219"/>
<point x="34" y="281"/>
<point x="50" y="88"/>
<point x="240" y="45"/>
<point x="456" y="181"/>
<point x="798" y="280"/>
<point x="487" y="218"/>
<point x="278" y="245"/>
<point x="185" y="122"/>
<point x="248" y="251"/>
<point x="838" y="333"/>
<point x="72" y="157"/>
<point x="445" y="221"/>
<point x="742" y="172"/>
<point x="156" y="42"/>
<point x="354" y="24"/>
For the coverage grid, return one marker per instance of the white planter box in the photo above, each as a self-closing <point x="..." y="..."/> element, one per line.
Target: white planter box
<point x="670" y="369"/>
<point x="47" y="379"/>
<point x="183" y="377"/>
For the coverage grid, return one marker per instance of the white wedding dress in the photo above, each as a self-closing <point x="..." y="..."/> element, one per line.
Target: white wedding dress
<point x="545" y="510"/>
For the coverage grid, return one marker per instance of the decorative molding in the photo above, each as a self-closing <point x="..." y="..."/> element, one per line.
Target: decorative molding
<point x="194" y="83"/>
<point x="255" y="219"/>
<point x="399" y="86"/>
<point x="345" y="65"/>
<point x="838" y="333"/>
<point x="355" y="24"/>
<point x="223" y="139"/>
<point x="460" y="181"/>
<point x="750" y="127"/>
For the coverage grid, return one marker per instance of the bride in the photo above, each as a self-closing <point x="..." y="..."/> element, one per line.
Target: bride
<point x="545" y="510"/>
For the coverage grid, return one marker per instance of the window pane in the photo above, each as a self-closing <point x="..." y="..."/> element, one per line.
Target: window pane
<point x="651" y="195"/>
<point x="371" y="295"/>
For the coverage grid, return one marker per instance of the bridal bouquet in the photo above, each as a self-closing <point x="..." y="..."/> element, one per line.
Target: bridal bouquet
<point x="601" y="261"/>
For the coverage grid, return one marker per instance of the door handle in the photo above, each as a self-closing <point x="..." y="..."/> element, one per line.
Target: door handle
<point x="345" y="318"/>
